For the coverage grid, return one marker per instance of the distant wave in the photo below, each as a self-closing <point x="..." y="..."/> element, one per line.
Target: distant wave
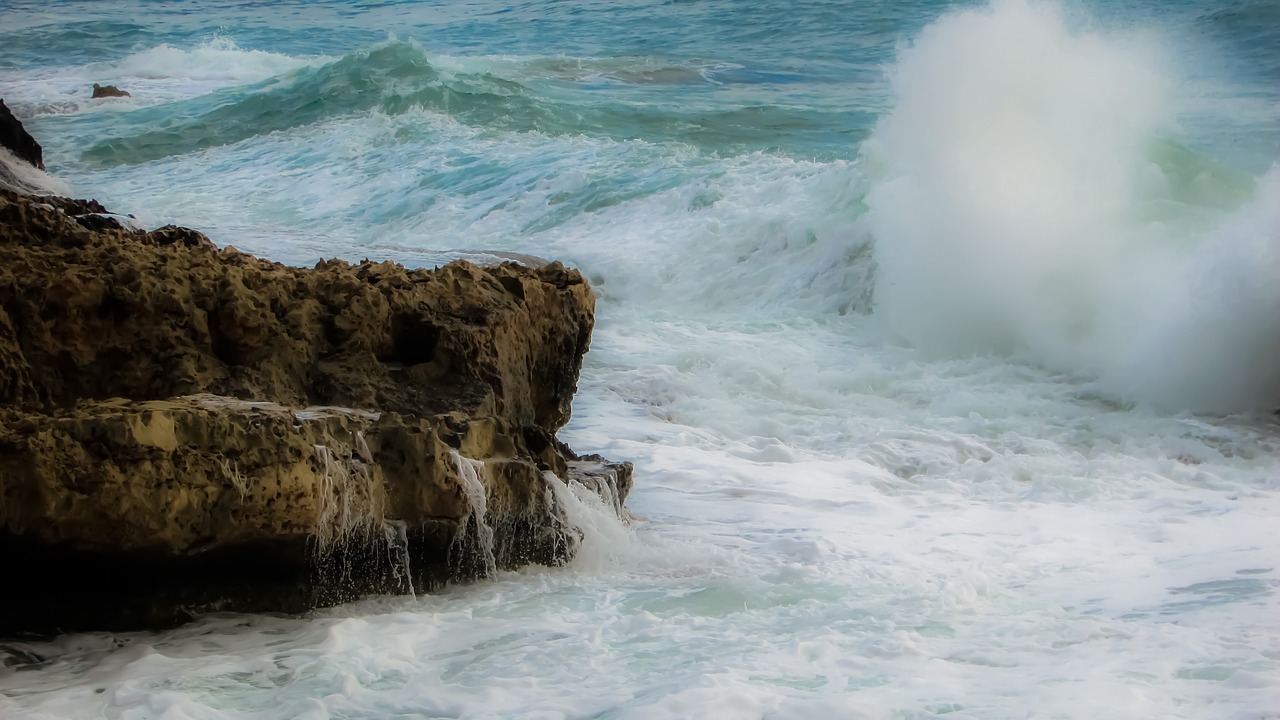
<point x="156" y="75"/>
<point x="217" y="59"/>
<point x="395" y="77"/>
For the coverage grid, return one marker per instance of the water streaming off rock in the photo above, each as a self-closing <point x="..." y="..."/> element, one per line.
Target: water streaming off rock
<point x="479" y="531"/>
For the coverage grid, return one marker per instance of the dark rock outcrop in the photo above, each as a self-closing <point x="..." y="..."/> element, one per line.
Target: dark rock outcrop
<point x="185" y="428"/>
<point x="106" y="91"/>
<point x="17" y="140"/>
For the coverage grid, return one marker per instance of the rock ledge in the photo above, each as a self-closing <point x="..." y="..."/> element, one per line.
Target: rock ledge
<point x="189" y="429"/>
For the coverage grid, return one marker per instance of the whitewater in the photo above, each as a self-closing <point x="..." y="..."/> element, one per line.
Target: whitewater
<point x="944" y="339"/>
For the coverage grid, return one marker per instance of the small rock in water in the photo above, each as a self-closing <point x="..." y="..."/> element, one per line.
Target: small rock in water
<point x="102" y="91"/>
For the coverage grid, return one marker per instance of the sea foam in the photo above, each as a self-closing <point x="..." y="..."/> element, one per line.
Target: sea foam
<point x="1018" y="207"/>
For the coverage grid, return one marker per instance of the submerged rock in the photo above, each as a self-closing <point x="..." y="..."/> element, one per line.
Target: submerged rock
<point x="106" y="91"/>
<point x="188" y="428"/>
<point x="15" y="138"/>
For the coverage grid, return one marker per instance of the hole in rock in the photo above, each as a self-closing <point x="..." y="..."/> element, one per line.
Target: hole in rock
<point x="413" y="341"/>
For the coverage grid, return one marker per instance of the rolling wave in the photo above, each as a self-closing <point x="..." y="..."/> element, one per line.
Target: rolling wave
<point x="396" y="77"/>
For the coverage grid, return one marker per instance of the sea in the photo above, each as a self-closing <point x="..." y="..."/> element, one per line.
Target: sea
<point x="944" y="338"/>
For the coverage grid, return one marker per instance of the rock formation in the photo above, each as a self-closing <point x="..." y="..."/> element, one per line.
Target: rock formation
<point x="185" y="428"/>
<point x="17" y="140"/>
<point x="106" y="91"/>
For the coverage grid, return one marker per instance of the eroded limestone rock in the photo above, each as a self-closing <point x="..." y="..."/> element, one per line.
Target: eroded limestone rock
<point x="188" y="428"/>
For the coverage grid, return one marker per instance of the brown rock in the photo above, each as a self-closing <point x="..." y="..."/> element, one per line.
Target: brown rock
<point x="105" y="91"/>
<point x="160" y="314"/>
<point x="172" y="424"/>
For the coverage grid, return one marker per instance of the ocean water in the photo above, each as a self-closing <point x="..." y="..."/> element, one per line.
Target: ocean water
<point x="944" y="338"/>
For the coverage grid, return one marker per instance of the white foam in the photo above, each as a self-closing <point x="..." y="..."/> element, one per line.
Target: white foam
<point x="218" y="59"/>
<point x="768" y="233"/>
<point x="1011" y="214"/>
<point x="159" y="74"/>
<point x="605" y="537"/>
<point x="21" y="176"/>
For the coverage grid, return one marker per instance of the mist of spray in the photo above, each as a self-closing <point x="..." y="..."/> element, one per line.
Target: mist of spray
<point x="1014" y="211"/>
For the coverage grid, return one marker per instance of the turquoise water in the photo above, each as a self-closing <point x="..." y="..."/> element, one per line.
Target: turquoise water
<point x="942" y="336"/>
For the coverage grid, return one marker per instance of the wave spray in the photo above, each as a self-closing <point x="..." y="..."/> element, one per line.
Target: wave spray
<point x="1025" y="201"/>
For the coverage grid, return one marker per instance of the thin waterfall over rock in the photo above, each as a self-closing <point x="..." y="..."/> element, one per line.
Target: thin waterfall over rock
<point x="478" y="538"/>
